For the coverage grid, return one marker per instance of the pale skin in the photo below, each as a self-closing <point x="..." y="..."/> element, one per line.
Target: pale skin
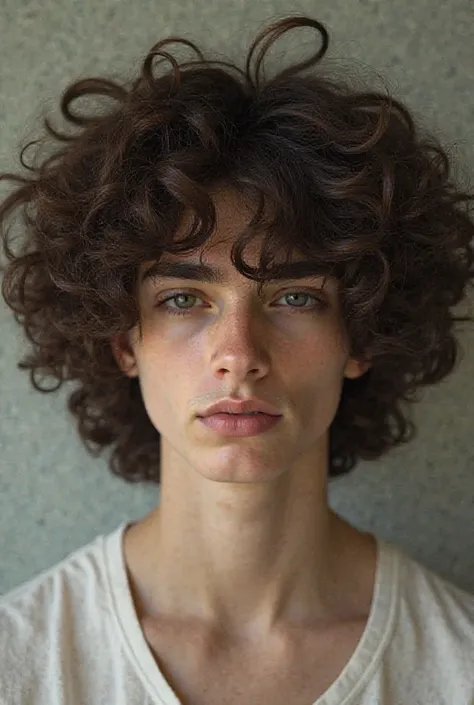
<point x="243" y="550"/>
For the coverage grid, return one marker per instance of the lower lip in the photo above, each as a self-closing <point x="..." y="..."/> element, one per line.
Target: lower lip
<point x="240" y="425"/>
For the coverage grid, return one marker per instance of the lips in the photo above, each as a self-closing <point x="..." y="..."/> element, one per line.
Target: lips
<point x="240" y="425"/>
<point x="248" y="413"/>
<point x="240" y="407"/>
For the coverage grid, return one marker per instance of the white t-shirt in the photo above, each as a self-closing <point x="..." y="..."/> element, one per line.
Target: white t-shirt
<point x="71" y="636"/>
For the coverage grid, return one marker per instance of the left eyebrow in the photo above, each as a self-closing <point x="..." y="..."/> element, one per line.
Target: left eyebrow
<point x="213" y="275"/>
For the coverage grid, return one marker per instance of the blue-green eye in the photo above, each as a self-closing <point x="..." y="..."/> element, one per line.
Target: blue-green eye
<point x="318" y="303"/>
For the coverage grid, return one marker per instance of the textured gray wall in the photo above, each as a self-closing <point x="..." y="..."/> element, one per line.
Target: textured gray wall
<point x="53" y="496"/>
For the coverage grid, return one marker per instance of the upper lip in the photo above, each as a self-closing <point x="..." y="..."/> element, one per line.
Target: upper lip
<point x="232" y="406"/>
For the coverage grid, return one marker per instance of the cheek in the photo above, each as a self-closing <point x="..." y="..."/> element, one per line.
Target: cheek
<point x="161" y="380"/>
<point x="308" y="376"/>
<point x="162" y="402"/>
<point x="322" y="359"/>
<point x="169" y="371"/>
<point x="317" y="377"/>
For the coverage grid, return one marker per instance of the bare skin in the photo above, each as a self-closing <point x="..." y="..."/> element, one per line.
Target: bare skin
<point x="294" y="663"/>
<point x="245" y="583"/>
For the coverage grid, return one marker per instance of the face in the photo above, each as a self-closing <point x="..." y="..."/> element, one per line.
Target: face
<point x="215" y="340"/>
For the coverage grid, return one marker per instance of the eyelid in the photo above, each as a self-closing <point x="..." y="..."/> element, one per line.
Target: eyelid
<point x="291" y="285"/>
<point x="297" y="288"/>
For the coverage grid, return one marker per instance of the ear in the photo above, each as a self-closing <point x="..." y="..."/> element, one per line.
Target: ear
<point x="356" y="368"/>
<point x="124" y="355"/>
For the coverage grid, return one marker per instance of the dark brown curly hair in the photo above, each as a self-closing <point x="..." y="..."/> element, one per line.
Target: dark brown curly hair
<point x="338" y="174"/>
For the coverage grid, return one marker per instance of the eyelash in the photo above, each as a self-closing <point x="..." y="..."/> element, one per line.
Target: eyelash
<point x="320" y="303"/>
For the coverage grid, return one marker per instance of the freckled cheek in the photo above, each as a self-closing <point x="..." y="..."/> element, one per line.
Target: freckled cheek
<point x="323" y="355"/>
<point x="166" y="364"/>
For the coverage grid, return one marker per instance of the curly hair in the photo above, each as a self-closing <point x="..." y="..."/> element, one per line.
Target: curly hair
<point x="341" y="175"/>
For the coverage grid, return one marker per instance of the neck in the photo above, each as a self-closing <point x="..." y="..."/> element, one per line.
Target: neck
<point x="249" y="556"/>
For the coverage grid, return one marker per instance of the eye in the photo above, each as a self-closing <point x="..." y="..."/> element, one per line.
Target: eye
<point x="318" y="303"/>
<point x="176" y="311"/>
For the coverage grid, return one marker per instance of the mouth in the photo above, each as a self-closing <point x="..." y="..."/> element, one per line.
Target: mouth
<point x="241" y="407"/>
<point x="248" y="413"/>
<point x="232" y="414"/>
<point x="240" y="425"/>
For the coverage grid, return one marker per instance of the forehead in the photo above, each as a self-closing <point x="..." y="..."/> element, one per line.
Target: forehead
<point x="212" y="261"/>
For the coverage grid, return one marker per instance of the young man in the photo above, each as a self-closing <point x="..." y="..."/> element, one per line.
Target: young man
<point x="242" y="586"/>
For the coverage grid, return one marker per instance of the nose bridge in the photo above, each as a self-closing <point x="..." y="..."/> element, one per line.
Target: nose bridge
<point x="239" y="321"/>
<point x="239" y="339"/>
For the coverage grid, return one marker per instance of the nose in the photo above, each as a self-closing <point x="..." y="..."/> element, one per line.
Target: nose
<point x="239" y="347"/>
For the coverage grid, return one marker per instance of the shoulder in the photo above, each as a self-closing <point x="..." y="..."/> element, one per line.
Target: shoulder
<point x="427" y="596"/>
<point x="432" y="641"/>
<point x="64" y="580"/>
<point x="40" y="619"/>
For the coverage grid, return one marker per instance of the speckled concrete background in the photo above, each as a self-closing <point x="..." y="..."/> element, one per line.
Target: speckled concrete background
<point x="53" y="496"/>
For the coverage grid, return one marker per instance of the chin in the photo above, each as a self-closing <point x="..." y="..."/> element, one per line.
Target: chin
<point x="242" y="470"/>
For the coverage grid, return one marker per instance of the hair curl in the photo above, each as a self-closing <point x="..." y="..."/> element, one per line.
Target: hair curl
<point x="347" y="180"/>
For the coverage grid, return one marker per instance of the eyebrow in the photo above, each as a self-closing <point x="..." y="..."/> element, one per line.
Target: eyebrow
<point x="213" y="275"/>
